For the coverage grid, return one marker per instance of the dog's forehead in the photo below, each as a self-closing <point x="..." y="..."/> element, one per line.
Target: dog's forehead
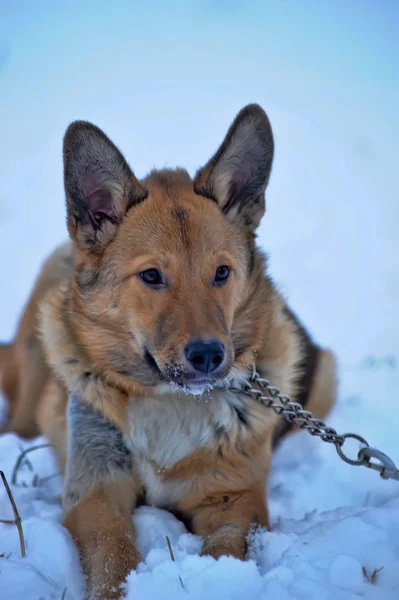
<point x="176" y="218"/>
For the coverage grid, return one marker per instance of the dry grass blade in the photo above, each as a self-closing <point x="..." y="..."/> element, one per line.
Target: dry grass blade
<point x="7" y="522"/>
<point x="18" y="520"/>
<point x="172" y="556"/>
<point x="373" y="577"/>
<point x="20" y="459"/>
<point x="64" y="594"/>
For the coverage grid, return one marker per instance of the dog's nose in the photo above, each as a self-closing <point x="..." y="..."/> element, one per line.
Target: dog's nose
<point x="205" y="356"/>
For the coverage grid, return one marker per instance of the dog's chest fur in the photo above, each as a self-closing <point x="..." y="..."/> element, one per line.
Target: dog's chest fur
<point x="167" y="429"/>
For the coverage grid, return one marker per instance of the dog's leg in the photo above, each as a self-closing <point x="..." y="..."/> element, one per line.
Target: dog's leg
<point x="99" y="496"/>
<point x="224" y="521"/>
<point x="52" y="417"/>
<point x="101" y="525"/>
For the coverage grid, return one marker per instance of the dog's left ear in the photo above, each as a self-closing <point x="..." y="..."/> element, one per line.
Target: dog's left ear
<point x="237" y="175"/>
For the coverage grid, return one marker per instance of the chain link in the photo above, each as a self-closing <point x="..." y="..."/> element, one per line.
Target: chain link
<point x="294" y="413"/>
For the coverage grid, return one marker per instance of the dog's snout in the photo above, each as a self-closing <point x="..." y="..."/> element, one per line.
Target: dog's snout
<point x="205" y="355"/>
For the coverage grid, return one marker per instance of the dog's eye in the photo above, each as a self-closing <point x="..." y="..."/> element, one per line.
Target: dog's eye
<point x="152" y="277"/>
<point x="221" y="275"/>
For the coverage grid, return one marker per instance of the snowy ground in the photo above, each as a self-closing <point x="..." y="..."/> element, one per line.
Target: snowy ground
<point x="164" y="80"/>
<point x="334" y="525"/>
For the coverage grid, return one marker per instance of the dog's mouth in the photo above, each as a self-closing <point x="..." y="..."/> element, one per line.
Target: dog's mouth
<point x="181" y="379"/>
<point x="198" y="388"/>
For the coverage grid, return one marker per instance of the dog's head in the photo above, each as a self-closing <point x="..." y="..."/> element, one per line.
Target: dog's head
<point x="167" y="272"/>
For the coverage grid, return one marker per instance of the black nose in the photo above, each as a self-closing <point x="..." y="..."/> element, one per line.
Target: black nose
<point x="205" y="356"/>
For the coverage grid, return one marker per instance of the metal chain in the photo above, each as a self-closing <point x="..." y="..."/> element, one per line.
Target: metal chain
<point x="294" y="413"/>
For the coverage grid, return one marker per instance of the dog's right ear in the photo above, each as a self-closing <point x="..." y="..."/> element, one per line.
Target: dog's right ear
<point x="99" y="186"/>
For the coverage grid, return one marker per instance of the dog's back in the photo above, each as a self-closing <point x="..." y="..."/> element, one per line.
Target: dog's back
<point x="23" y="369"/>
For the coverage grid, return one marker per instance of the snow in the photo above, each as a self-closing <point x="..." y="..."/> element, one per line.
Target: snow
<point x="164" y="81"/>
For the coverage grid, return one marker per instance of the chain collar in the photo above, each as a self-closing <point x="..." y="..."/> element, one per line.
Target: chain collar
<point x="294" y="413"/>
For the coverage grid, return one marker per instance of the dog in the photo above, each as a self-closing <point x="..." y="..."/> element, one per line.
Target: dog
<point x="135" y="331"/>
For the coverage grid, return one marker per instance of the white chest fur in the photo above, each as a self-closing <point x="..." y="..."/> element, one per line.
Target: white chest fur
<point x="166" y="429"/>
<point x="169" y="428"/>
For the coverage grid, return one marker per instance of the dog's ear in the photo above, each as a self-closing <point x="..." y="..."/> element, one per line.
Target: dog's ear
<point x="237" y="175"/>
<point x="99" y="186"/>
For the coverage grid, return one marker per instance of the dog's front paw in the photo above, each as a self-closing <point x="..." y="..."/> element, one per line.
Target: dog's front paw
<point x="226" y="541"/>
<point x="106" y="581"/>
